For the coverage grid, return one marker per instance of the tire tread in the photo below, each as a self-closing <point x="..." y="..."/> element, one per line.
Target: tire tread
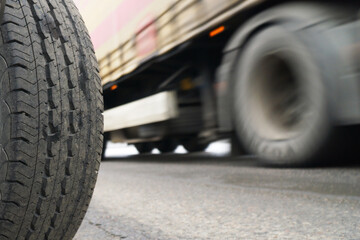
<point x="52" y="100"/>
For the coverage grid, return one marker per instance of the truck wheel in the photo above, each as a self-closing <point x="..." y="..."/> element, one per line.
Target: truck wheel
<point x="51" y="120"/>
<point x="166" y="146"/>
<point x="194" y="146"/>
<point x="144" y="148"/>
<point x="280" y="101"/>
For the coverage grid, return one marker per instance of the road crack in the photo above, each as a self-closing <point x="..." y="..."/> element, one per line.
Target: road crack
<point x="99" y="225"/>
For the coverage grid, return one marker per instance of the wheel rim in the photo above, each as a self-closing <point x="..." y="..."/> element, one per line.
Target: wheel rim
<point x="277" y="104"/>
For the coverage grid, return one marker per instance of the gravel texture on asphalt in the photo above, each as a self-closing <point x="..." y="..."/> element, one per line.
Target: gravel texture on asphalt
<point x="210" y="197"/>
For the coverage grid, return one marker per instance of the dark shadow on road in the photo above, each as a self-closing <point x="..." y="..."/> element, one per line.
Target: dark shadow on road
<point x="213" y="159"/>
<point x="194" y="158"/>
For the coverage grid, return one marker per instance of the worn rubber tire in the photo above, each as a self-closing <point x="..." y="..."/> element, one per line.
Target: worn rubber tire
<point x="144" y="148"/>
<point x="316" y="138"/>
<point x="166" y="146"/>
<point x="51" y="120"/>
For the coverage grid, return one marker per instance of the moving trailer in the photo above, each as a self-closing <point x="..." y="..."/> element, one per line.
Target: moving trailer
<point x="280" y="78"/>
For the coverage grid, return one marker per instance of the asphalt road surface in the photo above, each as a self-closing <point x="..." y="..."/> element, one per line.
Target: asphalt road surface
<point x="205" y="196"/>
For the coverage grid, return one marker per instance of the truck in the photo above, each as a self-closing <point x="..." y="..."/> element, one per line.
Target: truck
<point x="279" y="78"/>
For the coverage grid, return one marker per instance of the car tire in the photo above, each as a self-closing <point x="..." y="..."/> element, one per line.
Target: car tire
<point x="51" y="120"/>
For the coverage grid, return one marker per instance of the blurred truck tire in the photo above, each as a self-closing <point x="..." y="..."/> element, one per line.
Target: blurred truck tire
<point x="166" y="145"/>
<point x="51" y="120"/>
<point x="281" y="101"/>
<point x="144" y="148"/>
<point x="193" y="145"/>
